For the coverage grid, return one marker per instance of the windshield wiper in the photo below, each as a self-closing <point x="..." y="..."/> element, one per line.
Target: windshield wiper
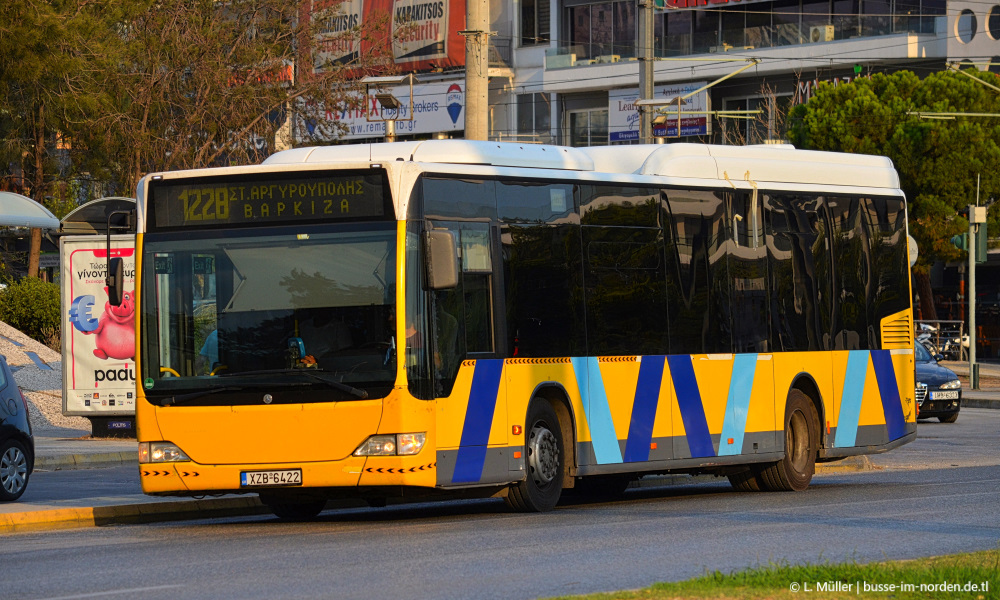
<point x="181" y="399"/>
<point x="313" y="373"/>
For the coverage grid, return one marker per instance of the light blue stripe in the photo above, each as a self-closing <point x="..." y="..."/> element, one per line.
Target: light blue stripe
<point x="850" y="402"/>
<point x="597" y="410"/>
<point x="735" y="423"/>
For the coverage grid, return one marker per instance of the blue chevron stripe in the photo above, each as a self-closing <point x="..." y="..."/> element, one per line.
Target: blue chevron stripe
<point x="689" y="402"/>
<point x="478" y="422"/>
<point x="892" y="407"/>
<point x="647" y="396"/>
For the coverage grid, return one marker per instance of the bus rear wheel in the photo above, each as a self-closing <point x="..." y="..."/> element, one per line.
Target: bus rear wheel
<point x="794" y="472"/>
<point x="544" y="461"/>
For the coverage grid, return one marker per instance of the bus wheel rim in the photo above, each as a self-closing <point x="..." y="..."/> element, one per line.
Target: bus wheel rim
<point x="543" y="455"/>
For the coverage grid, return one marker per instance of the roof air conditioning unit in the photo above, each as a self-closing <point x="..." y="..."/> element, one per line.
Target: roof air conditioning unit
<point x="821" y="33"/>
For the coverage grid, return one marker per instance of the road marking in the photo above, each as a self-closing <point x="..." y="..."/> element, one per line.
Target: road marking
<point x="117" y="592"/>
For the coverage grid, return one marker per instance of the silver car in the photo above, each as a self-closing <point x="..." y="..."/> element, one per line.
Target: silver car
<point x="17" y="445"/>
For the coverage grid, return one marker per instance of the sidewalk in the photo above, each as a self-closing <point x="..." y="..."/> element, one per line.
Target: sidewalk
<point x="75" y="450"/>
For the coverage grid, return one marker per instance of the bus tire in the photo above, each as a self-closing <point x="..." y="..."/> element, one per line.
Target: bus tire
<point x="544" y="461"/>
<point x="745" y="481"/>
<point x="297" y="511"/>
<point x="794" y="472"/>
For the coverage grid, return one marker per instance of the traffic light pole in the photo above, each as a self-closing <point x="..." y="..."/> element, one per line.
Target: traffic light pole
<point x="977" y="221"/>
<point x="973" y="367"/>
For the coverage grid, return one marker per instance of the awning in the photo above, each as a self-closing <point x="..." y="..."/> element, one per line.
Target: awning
<point x="20" y="211"/>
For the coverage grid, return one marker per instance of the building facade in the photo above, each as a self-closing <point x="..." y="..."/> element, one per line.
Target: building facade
<point x="575" y="62"/>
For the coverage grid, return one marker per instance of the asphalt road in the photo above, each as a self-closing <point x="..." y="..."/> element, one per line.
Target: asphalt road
<point x="915" y="503"/>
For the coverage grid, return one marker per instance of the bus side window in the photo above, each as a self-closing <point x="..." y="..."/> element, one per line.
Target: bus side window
<point x="463" y="320"/>
<point x="697" y="273"/>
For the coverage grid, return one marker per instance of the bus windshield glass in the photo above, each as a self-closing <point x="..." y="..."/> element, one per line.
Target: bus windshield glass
<point x="305" y="308"/>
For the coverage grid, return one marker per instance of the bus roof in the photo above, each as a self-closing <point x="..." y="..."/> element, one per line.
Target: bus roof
<point x="780" y="163"/>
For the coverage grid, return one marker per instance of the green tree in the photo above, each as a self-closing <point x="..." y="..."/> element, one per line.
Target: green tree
<point x="938" y="160"/>
<point x="105" y="91"/>
<point x="196" y="83"/>
<point x="42" y="88"/>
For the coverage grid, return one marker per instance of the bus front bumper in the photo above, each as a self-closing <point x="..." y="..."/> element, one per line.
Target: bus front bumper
<point x="190" y="478"/>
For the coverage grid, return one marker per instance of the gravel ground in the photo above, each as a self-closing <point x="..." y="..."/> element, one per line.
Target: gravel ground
<point x="42" y="387"/>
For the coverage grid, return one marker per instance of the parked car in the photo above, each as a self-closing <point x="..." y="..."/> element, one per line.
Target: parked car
<point x="17" y="445"/>
<point x="939" y="392"/>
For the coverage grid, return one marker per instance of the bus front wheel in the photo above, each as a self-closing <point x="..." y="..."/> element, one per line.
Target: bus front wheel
<point x="794" y="472"/>
<point x="544" y="460"/>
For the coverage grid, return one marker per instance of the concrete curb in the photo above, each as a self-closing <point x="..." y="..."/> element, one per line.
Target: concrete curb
<point x="85" y="461"/>
<point x="151" y="512"/>
<point x="979" y="403"/>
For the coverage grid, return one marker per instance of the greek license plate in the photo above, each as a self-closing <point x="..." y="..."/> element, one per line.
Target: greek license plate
<point x="269" y="478"/>
<point x="953" y="395"/>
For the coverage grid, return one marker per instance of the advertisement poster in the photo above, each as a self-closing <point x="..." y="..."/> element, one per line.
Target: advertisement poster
<point x="425" y="35"/>
<point x="98" y="339"/>
<point x="427" y="32"/>
<point x="623" y="115"/>
<point x="334" y="44"/>
<point x="437" y="107"/>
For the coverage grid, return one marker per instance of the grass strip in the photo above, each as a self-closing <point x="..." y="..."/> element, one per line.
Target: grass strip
<point x="971" y="576"/>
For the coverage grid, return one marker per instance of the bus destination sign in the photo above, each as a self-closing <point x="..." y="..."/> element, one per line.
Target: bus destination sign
<point x="238" y="202"/>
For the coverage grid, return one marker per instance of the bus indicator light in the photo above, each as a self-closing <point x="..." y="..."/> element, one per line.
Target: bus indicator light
<point x="652" y="445"/>
<point x="516" y="430"/>
<point x="517" y="455"/>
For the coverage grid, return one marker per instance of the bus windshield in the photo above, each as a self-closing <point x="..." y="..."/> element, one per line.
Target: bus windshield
<point x="310" y="307"/>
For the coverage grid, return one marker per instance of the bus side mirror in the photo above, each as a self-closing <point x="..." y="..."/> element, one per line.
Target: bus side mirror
<point x="115" y="280"/>
<point x="442" y="261"/>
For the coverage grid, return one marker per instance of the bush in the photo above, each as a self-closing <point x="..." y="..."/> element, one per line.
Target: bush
<point x="32" y="306"/>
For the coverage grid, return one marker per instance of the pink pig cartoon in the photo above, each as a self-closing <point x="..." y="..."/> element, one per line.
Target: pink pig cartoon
<point x="116" y="330"/>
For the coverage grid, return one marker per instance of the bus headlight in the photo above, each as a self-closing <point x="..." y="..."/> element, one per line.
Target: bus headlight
<point x="400" y="444"/>
<point x="954" y="384"/>
<point x="158" y="452"/>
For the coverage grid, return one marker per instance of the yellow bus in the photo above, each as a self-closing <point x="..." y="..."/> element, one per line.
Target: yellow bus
<point x="420" y="320"/>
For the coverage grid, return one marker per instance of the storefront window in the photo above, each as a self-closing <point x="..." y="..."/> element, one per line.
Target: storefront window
<point x="588" y="127"/>
<point x="602" y="32"/>
<point x="786" y="15"/>
<point x="815" y="15"/>
<point x="875" y="17"/>
<point x="534" y="118"/>
<point x="846" y="19"/>
<point x="534" y="22"/>
<point x="706" y="31"/>
<point x="624" y="29"/>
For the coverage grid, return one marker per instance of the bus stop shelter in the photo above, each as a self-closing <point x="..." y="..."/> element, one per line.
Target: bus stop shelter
<point x="20" y="211"/>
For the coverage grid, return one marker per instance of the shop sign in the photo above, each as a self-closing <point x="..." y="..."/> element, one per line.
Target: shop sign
<point x="623" y="115"/>
<point x="437" y="108"/>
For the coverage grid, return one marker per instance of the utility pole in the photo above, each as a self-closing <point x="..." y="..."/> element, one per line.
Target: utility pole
<point x="646" y="71"/>
<point x="977" y="216"/>
<point x="477" y="82"/>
